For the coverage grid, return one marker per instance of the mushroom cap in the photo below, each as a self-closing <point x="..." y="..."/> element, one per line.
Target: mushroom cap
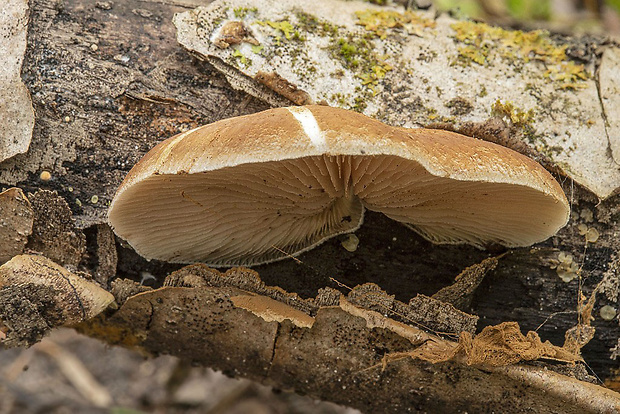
<point x="262" y="187"/>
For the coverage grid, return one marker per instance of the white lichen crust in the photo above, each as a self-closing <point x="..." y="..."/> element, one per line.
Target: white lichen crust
<point x="410" y="68"/>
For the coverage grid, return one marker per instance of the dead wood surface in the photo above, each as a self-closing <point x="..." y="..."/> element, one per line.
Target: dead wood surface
<point x="108" y="81"/>
<point x="338" y="350"/>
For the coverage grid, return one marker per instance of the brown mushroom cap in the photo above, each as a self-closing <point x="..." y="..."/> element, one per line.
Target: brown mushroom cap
<point x="243" y="191"/>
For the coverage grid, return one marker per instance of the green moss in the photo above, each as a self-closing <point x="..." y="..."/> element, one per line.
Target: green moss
<point x="358" y="55"/>
<point x="340" y="99"/>
<point x="378" y="22"/>
<point x="481" y="43"/>
<point x="360" y="104"/>
<point x="311" y="24"/>
<point x="350" y="53"/>
<point x="241" y="12"/>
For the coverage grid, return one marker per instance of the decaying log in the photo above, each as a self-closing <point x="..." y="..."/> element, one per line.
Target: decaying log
<point x="331" y="348"/>
<point x="108" y="81"/>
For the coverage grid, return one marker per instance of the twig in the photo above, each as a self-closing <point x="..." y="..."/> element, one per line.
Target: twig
<point x="79" y="376"/>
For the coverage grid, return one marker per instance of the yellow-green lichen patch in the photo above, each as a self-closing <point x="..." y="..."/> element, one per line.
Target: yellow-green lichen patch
<point x="354" y="52"/>
<point x="378" y="22"/>
<point x="282" y="28"/>
<point x="242" y="59"/>
<point x="513" y="114"/>
<point x="481" y="44"/>
<point x="433" y="115"/>
<point x="377" y="72"/>
<point x="523" y="121"/>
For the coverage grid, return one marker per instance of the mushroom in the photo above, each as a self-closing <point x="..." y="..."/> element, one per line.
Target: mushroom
<point x="262" y="187"/>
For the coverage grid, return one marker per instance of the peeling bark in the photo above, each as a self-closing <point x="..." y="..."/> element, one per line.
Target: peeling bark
<point x="608" y="83"/>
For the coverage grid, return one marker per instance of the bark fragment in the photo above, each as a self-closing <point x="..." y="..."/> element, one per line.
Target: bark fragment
<point x="15" y="105"/>
<point x="36" y="295"/>
<point x="16" y="219"/>
<point x="107" y="256"/>
<point x="609" y="90"/>
<point x="460" y="293"/>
